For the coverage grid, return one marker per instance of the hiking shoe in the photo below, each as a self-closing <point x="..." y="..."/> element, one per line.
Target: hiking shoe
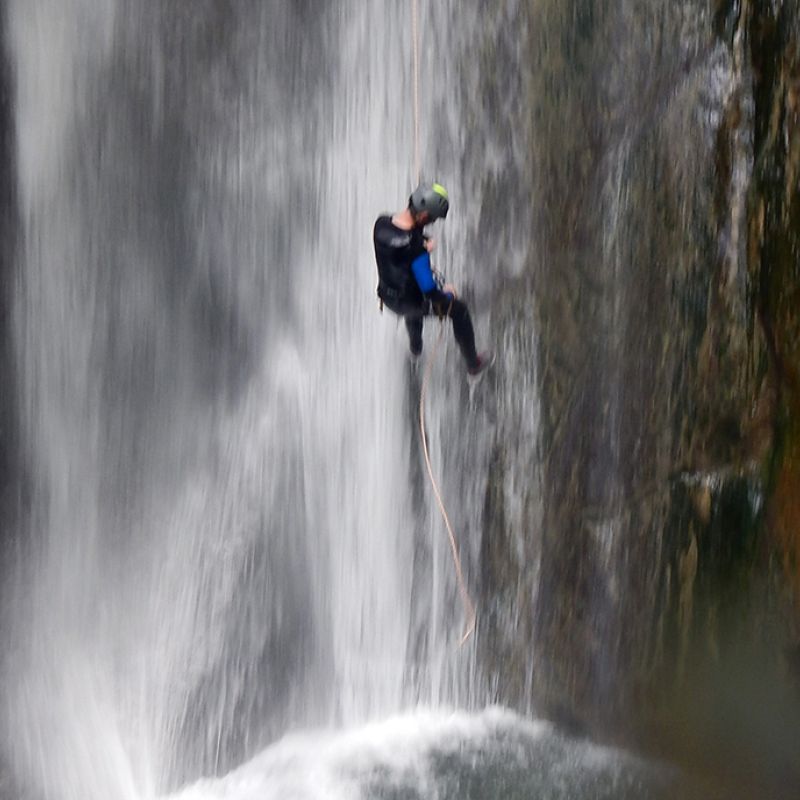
<point x="485" y="360"/>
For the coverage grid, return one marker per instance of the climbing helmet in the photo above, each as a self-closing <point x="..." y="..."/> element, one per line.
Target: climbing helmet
<point x="430" y="197"/>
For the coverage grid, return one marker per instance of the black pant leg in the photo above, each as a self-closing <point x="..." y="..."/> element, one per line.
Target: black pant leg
<point x="463" y="330"/>
<point x="458" y="312"/>
<point x="414" y="328"/>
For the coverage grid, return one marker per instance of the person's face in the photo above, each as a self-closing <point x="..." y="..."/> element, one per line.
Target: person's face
<point x="422" y="219"/>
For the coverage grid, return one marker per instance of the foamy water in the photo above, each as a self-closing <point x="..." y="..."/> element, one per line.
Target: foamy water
<point x="441" y="754"/>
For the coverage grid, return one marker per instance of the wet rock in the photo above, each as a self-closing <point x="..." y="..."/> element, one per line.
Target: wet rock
<point x="666" y="301"/>
<point x="774" y="245"/>
<point x="701" y="499"/>
<point x="726" y="18"/>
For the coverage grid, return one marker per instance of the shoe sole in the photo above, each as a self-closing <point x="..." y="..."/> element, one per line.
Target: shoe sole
<point x="475" y="377"/>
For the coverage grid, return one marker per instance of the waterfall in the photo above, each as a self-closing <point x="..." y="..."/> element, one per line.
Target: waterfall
<point x="222" y="533"/>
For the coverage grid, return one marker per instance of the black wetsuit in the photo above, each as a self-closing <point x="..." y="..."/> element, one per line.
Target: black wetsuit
<point x="406" y="285"/>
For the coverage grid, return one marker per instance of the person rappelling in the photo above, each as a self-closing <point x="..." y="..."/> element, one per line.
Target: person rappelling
<point x="407" y="283"/>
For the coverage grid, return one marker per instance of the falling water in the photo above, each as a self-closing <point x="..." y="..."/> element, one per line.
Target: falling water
<point x="221" y="534"/>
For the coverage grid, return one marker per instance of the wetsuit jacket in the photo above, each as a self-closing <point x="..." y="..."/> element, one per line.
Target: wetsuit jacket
<point x="405" y="278"/>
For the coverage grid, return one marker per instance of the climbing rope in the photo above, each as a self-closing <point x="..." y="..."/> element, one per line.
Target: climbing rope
<point x="469" y="607"/>
<point x="415" y="47"/>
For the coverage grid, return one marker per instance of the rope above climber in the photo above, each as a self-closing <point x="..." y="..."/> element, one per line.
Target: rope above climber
<point x="408" y="284"/>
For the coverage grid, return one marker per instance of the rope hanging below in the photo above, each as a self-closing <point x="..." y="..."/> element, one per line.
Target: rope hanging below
<point x="469" y="607"/>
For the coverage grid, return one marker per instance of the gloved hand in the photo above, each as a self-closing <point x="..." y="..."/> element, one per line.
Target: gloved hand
<point x="448" y="288"/>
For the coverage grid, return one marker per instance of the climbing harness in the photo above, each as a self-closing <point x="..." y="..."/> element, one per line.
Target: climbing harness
<point x="469" y="607"/>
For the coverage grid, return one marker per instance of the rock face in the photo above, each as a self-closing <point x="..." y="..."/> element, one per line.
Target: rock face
<point x="666" y="148"/>
<point x="774" y="239"/>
